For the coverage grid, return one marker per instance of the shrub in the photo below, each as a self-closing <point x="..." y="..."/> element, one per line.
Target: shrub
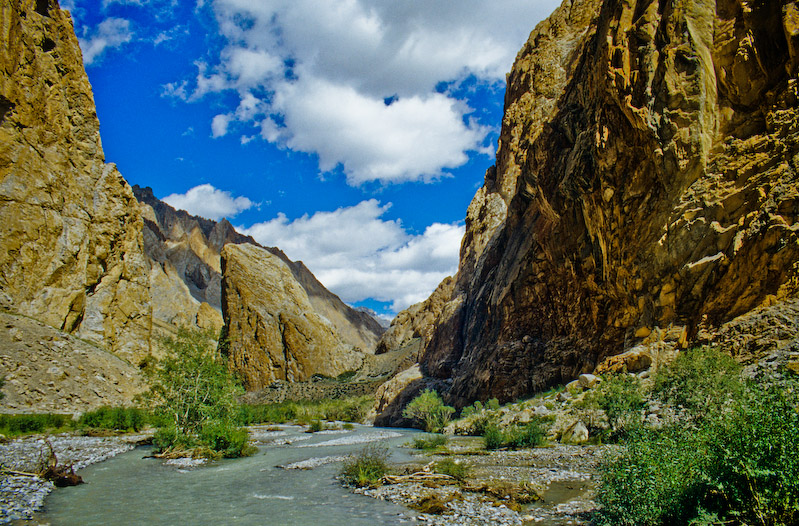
<point x="621" y="397"/>
<point x="315" y="426"/>
<point x="19" y="424"/>
<point x="492" y="404"/>
<point x="115" y="418"/>
<point x="194" y="396"/>
<point x="452" y="468"/>
<point x="531" y="434"/>
<point x="430" y="442"/>
<point x="469" y="410"/>
<point x="429" y="409"/>
<point x="492" y="436"/>
<point x="367" y="467"/>
<point x="225" y="438"/>
<point x="737" y="466"/>
<point x="701" y="380"/>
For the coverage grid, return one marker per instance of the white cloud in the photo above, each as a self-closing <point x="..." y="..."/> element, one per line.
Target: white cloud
<point x="110" y="33"/>
<point x="413" y="138"/>
<point x="219" y="125"/>
<point x="206" y="201"/>
<point x="358" y="255"/>
<point x="338" y="61"/>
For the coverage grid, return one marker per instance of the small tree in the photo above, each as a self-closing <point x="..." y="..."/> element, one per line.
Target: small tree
<point x="194" y="396"/>
<point x="429" y="409"/>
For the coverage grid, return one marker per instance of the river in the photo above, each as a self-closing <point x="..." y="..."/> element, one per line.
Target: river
<point x="132" y="490"/>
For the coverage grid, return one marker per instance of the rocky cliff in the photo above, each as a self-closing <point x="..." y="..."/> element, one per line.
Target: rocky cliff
<point x="645" y="195"/>
<point x="70" y="230"/>
<point x="186" y="275"/>
<point x="273" y="330"/>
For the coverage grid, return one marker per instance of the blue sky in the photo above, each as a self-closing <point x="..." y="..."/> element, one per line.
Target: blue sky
<point x="352" y="134"/>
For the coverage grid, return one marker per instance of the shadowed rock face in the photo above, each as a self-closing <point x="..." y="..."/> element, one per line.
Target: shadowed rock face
<point x="273" y="330"/>
<point x="648" y="162"/>
<point x="70" y="229"/>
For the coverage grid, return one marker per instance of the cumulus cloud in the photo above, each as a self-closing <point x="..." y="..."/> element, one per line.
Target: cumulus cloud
<point x="322" y="71"/>
<point x="110" y="33"/>
<point x="206" y="201"/>
<point x="357" y="254"/>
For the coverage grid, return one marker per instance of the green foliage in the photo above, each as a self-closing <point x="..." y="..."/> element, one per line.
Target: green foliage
<point x="367" y="467"/>
<point x="115" y="418"/>
<point x="315" y="426"/>
<point x="528" y="435"/>
<point x="429" y="409"/>
<point x="469" y="410"/>
<point x="351" y="409"/>
<point x="20" y="424"/>
<point x="736" y="464"/>
<point x="622" y="398"/>
<point x="451" y="467"/>
<point x="194" y="396"/>
<point x="531" y="434"/>
<point x="493" y="437"/>
<point x="492" y="404"/>
<point x="701" y="380"/>
<point x="430" y="442"/>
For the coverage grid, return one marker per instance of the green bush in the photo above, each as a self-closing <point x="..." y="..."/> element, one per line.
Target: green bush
<point x="493" y="437"/>
<point x="194" y="396"/>
<point x="115" y="418"/>
<point x="492" y="404"/>
<point x="735" y="466"/>
<point x="429" y="409"/>
<point x="367" y="467"/>
<point x="452" y="468"/>
<point x="20" y="424"/>
<point x="225" y="438"/>
<point x="701" y="380"/>
<point x="315" y="426"/>
<point x="528" y="435"/>
<point x="430" y="442"/>
<point x="621" y="396"/>
<point x="473" y="409"/>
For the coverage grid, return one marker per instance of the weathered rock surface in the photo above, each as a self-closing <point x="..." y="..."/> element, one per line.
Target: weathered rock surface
<point x="47" y="370"/>
<point x="648" y="162"/>
<point x="186" y="275"/>
<point x="273" y="329"/>
<point x="71" y="248"/>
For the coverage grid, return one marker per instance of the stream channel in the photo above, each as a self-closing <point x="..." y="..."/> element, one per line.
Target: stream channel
<point x="132" y="490"/>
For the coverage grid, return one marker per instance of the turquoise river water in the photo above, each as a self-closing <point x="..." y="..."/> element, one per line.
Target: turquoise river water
<point x="132" y="490"/>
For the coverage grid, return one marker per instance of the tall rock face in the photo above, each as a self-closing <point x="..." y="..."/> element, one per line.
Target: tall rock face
<point x="186" y="272"/>
<point x="186" y="275"/>
<point x="71" y="247"/>
<point x="648" y="162"/>
<point x="270" y="322"/>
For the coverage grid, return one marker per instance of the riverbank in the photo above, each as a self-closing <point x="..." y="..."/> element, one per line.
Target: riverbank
<point x="22" y="495"/>
<point x="547" y="486"/>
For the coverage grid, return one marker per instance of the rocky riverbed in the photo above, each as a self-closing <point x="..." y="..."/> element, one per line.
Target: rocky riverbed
<point x="22" y="495"/>
<point x="548" y="486"/>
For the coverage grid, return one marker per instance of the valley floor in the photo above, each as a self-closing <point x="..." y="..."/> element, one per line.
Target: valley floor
<point x="499" y="485"/>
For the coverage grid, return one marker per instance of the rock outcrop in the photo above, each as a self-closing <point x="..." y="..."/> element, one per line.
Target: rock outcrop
<point x="70" y="230"/>
<point x="186" y="274"/>
<point x="273" y="329"/>
<point x="645" y="194"/>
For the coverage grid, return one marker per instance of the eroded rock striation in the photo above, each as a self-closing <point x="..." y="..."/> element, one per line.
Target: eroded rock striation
<point x="645" y="194"/>
<point x="70" y="229"/>
<point x="273" y="329"/>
